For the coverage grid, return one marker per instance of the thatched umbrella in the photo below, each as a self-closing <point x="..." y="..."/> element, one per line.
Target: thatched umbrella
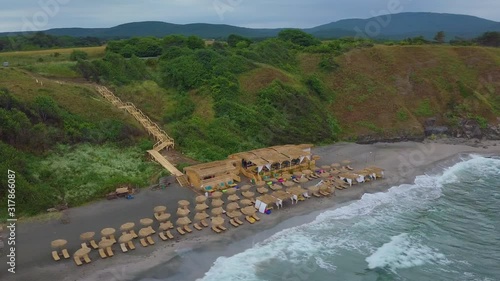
<point x="166" y="225"/>
<point x="248" y="194"/>
<point x="297" y="190"/>
<point x="286" y="175"/>
<point x="216" y="194"/>
<point x="288" y="183"/>
<point x="324" y="175"/>
<point x="200" y="216"/>
<point x="234" y="214"/>
<point x="282" y="195"/>
<point x="163" y="217"/>
<point x="233" y="197"/>
<point x="325" y="187"/>
<point x="313" y="189"/>
<point x="183" y="204"/>
<point x="335" y="172"/>
<point x="276" y="187"/>
<point x="246" y="187"/>
<point x="232" y="206"/>
<point x="201" y="207"/>
<point x="326" y="167"/>
<point x="346" y="162"/>
<point x="260" y="183"/>
<point x="297" y="174"/>
<point x="183" y="212"/>
<point x="216" y="221"/>
<point x="217" y="211"/>
<point x="183" y="221"/>
<point x="246" y="202"/>
<point x="249" y="211"/>
<point x="303" y="180"/>
<point x="201" y="199"/>
<point x="160" y="209"/>
<point x="217" y="203"/>
<point x="306" y="172"/>
<point x="262" y="190"/>
<point x="231" y="191"/>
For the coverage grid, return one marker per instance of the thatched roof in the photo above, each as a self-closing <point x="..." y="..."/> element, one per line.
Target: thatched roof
<point x="274" y="154"/>
<point x="213" y="168"/>
<point x="267" y="199"/>
<point x="282" y="195"/>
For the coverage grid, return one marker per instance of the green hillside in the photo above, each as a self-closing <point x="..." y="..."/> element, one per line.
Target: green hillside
<point x="223" y="98"/>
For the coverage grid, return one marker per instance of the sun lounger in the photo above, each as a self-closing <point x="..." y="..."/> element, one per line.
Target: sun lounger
<point x="204" y="223"/>
<point x="197" y="226"/>
<point x="169" y="235"/>
<point x="233" y="223"/>
<point x="255" y="217"/>
<point x="110" y="251"/>
<point x="349" y="168"/>
<point x="123" y="247"/>
<point x="77" y="261"/>
<point x="295" y="180"/>
<point x="150" y="240"/>
<point x="315" y="194"/>
<point x="181" y="232"/>
<point x="250" y="219"/>
<point x="215" y="229"/>
<point x="143" y="242"/>
<point x="221" y="227"/>
<point x="93" y="244"/>
<point x="65" y="253"/>
<point x="86" y="259"/>
<point x="238" y="221"/>
<point x="55" y="256"/>
<point x="162" y="236"/>
<point x="324" y="193"/>
<point x="131" y="245"/>
<point x="187" y="229"/>
<point x="102" y="254"/>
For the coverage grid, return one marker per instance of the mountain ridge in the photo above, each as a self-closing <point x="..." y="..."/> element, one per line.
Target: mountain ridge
<point x="389" y="26"/>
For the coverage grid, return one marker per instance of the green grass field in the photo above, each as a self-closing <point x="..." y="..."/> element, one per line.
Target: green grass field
<point x="25" y="58"/>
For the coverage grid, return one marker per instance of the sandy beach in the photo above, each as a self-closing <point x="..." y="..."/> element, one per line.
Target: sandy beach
<point x="191" y="255"/>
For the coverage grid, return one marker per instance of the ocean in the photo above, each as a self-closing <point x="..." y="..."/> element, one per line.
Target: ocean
<point x="441" y="227"/>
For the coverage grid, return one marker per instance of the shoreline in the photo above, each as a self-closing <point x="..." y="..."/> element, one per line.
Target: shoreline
<point x="196" y="252"/>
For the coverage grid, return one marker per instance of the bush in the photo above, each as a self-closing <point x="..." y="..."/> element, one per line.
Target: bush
<point x="402" y="115"/>
<point x="77" y="55"/>
<point x="424" y="109"/>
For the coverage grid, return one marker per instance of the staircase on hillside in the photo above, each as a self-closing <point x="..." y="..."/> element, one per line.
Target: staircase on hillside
<point x="162" y="138"/>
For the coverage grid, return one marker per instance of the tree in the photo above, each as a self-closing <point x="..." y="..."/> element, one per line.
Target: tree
<point x="195" y="42"/>
<point x="298" y="37"/>
<point x="440" y="36"/>
<point x="78" y="55"/>
<point x="491" y="39"/>
<point x="234" y="39"/>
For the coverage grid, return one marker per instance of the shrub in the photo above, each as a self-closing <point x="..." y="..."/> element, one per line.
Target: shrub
<point x="78" y="55"/>
<point x="402" y="115"/>
<point x="424" y="109"/>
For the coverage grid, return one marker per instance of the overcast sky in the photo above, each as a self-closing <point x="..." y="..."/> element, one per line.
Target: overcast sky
<point x="23" y="15"/>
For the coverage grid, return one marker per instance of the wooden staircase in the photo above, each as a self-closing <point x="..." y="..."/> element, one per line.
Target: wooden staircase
<point x="162" y="138"/>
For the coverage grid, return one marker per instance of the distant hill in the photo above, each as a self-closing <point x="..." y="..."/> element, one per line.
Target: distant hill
<point x="413" y="24"/>
<point x="400" y="26"/>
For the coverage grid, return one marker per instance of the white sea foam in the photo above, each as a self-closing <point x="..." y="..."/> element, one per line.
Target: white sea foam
<point x="403" y="251"/>
<point x="349" y="228"/>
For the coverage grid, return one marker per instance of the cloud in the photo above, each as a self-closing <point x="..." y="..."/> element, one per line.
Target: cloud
<point x="45" y="14"/>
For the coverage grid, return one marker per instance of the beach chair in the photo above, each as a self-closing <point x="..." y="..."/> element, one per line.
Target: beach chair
<point x="204" y="223"/>
<point x="324" y="193"/>
<point x="349" y="168"/>
<point x="233" y="223"/>
<point x="143" y="242"/>
<point x="188" y="229"/>
<point x="255" y="217"/>
<point x="102" y="254"/>
<point x="295" y="180"/>
<point x="221" y="227"/>
<point x="250" y="219"/>
<point x="131" y="245"/>
<point x="181" y="232"/>
<point x="123" y="247"/>
<point x="110" y="252"/>
<point x="197" y="226"/>
<point x="86" y="259"/>
<point x="169" y="235"/>
<point x="55" y="256"/>
<point x="150" y="240"/>
<point x="162" y="236"/>
<point x="93" y="244"/>
<point x="65" y="253"/>
<point x="238" y="221"/>
<point x="216" y="230"/>
<point x="77" y="261"/>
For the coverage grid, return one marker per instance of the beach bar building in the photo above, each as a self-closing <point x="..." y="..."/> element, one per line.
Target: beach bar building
<point x="213" y="176"/>
<point x="265" y="163"/>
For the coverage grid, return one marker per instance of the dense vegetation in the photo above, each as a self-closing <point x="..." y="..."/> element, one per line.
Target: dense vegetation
<point x="40" y="40"/>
